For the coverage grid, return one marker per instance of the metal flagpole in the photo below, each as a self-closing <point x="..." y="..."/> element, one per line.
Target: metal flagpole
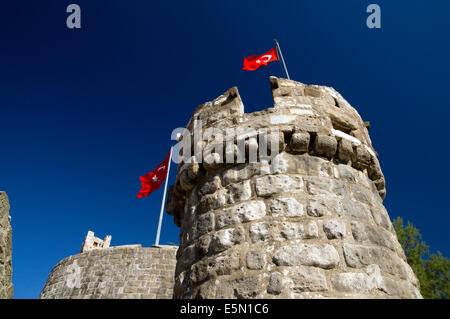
<point x="282" y="60"/>
<point x="163" y="200"/>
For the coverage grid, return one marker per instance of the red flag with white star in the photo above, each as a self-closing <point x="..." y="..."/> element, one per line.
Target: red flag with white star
<point x="153" y="180"/>
<point x="254" y="62"/>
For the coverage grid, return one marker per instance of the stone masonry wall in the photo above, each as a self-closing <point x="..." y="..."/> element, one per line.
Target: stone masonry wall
<point x="6" y="287"/>
<point x="309" y="223"/>
<point x="117" y="272"/>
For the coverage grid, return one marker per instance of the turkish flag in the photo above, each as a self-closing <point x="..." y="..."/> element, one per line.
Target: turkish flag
<point x="153" y="180"/>
<point x="254" y="62"/>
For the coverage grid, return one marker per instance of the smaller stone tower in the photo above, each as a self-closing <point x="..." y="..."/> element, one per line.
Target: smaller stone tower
<point x="91" y="242"/>
<point x="6" y="287"/>
<point x="121" y="272"/>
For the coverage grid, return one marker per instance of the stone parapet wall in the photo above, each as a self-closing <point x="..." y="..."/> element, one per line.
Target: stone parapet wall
<point x="6" y="287"/>
<point x="308" y="223"/>
<point x="114" y="273"/>
<point x="310" y="119"/>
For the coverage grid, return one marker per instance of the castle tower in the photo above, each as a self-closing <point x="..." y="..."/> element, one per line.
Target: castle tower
<point x="118" y="272"/>
<point x="6" y="287"/>
<point x="308" y="222"/>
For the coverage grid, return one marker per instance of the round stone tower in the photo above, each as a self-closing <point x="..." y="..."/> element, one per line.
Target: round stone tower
<point x="306" y="222"/>
<point x="120" y="272"/>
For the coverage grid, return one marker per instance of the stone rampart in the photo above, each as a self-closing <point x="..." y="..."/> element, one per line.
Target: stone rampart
<point x="122" y="272"/>
<point x="6" y="287"/>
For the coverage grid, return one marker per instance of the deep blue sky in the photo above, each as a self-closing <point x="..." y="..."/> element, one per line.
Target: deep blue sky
<point x="85" y="112"/>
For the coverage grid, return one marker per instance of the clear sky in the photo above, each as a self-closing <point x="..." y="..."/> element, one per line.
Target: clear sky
<point x="85" y="112"/>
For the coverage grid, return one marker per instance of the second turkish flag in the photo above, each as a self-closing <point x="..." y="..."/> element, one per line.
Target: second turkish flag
<point x="153" y="180"/>
<point x="254" y="62"/>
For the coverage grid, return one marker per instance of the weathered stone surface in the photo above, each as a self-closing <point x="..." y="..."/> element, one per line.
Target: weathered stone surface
<point x="239" y="192"/>
<point x="368" y="234"/>
<point x="323" y="256"/>
<point x="240" y="213"/>
<point x="275" y="283"/>
<point x="300" y="142"/>
<point x="225" y="238"/>
<point x="307" y="279"/>
<point x="334" y="229"/>
<point x="260" y="232"/>
<point x="273" y="184"/>
<point x="352" y="209"/>
<point x="347" y="173"/>
<point x="288" y="231"/>
<point x="325" y="145"/>
<point x="321" y="206"/>
<point x="359" y="256"/>
<point x="211" y="202"/>
<point x="6" y="287"/>
<point x="345" y="150"/>
<point x="205" y="224"/>
<point x="246" y="288"/>
<point x="353" y="282"/>
<point x="255" y="259"/>
<point x="211" y="186"/>
<point x="288" y="207"/>
<point x="114" y="273"/>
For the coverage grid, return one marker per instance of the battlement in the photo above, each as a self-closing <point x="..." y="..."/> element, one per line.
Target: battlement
<point x="310" y="119"/>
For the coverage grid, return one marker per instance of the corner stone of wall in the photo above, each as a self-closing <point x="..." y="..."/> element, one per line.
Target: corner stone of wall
<point x="114" y="273"/>
<point x="6" y="287"/>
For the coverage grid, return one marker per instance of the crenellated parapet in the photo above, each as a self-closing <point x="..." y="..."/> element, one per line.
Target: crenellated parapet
<point x="310" y="119"/>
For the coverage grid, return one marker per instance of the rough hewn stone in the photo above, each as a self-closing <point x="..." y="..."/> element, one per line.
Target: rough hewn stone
<point x="334" y="229"/>
<point x="272" y="184"/>
<point x="6" y="287"/>
<point x="288" y="207"/>
<point x="323" y="256"/>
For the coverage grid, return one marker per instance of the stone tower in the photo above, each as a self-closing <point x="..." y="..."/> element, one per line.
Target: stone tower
<point x="308" y="223"/>
<point x="6" y="287"/>
<point x="118" y="272"/>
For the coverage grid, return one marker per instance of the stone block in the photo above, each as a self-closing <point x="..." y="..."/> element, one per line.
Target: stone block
<point x="288" y="207"/>
<point x="320" y="255"/>
<point x="299" y="142"/>
<point x="345" y="150"/>
<point x="273" y="184"/>
<point x="255" y="259"/>
<point x="241" y="213"/>
<point x="260" y="232"/>
<point x="275" y="285"/>
<point x="307" y="279"/>
<point x="210" y="186"/>
<point x="368" y="234"/>
<point x="325" y="145"/>
<point x="223" y="239"/>
<point x="246" y="287"/>
<point x="334" y="229"/>
<point x="353" y="282"/>
<point x="205" y="224"/>
<point x="239" y="192"/>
